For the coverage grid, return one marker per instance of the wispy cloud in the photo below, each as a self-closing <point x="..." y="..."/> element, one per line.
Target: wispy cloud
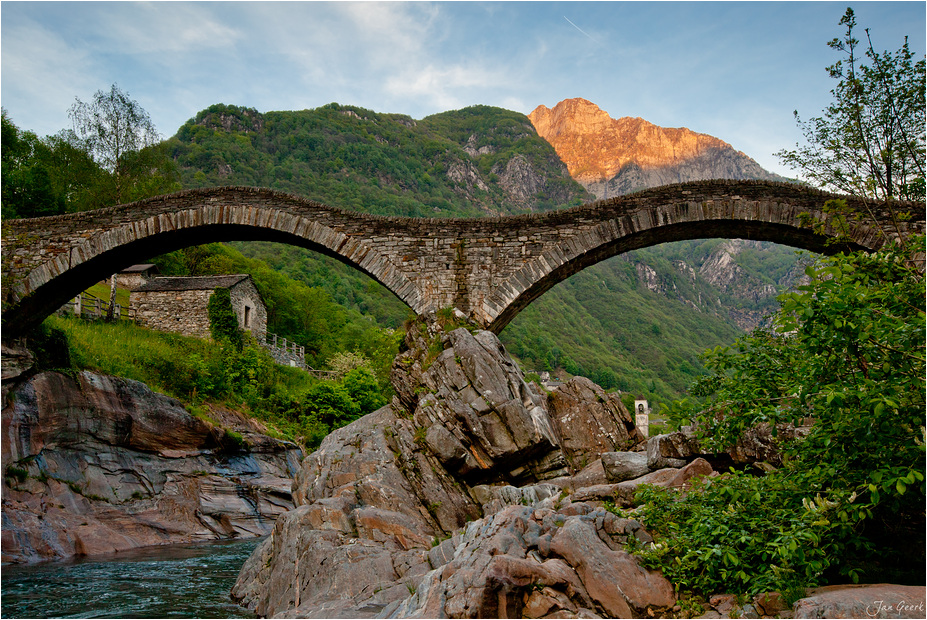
<point x="578" y="28"/>
<point x="718" y="68"/>
<point x="30" y="55"/>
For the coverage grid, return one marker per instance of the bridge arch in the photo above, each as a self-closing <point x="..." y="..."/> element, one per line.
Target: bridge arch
<point x="622" y="235"/>
<point x="99" y="243"/>
<point x="489" y="268"/>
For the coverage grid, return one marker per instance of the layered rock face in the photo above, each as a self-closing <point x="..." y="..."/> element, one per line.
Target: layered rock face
<point x="462" y="498"/>
<point x="95" y="464"/>
<point x="610" y="156"/>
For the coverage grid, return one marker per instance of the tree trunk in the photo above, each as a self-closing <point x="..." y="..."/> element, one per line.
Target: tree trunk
<point x="111" y="310"/>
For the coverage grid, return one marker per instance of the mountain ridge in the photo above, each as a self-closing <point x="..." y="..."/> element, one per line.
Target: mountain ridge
<point x="609" y="157"/>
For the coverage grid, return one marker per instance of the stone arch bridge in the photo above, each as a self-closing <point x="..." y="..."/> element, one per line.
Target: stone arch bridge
<point x="489" y="268"/>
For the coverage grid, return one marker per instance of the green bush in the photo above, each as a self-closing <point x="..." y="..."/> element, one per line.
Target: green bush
<point x="741" y="533"/>
<point x="49" y="345"/>
<point x="223" y="323"/>
<point x="849" y="500"/>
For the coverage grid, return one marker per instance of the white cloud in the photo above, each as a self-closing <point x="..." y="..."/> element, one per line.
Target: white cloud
<point x="448" y="87"/>
<point x="41" y="75"/>
<point x="158" y="28"/>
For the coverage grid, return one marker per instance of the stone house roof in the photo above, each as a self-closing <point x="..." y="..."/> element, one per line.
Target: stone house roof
<point x="141" y="268"/>
<point x="191" y="283"/>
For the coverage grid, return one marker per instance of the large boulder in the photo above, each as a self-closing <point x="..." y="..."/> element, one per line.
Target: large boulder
<point x="671" y="450"/>
<point x="495" y="426"/>
<point x="388" y="517"/>
<point x="371" y="501"/>
<point x="762" y="443"/>
<point x="590" y="421"/>
<point x="96" y="464"/>
<point x="621" y="466"/>
<point x="535" y="561"/>
<point x="622" y="493"/>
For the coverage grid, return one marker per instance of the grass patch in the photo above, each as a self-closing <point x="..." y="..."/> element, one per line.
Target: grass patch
<point x="293" y="404"/>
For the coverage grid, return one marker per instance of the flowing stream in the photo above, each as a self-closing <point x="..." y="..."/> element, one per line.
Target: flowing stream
<point x="175" y="581"/>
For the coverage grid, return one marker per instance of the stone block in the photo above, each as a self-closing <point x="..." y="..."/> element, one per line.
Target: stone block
<point x="621" y="466"/>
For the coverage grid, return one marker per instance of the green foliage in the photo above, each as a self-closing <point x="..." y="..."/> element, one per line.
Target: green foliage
<point x="113" y="155"/>
<point x="870" y="140"/>
<point x="49" y="345"/>
<point x="300" y="407"/>
<point x="233" y="442"/>
<point x="223" y="323"/>
<point x="118" y="134"/>
<point x="849" y="360"/>
<point x="331" y="404"/>
<point x="363" y="388"/>
<point x="28" y="190"/>
<point x="741" y="534"/>
<point x="16" y="473"/>
<point x="306" y="315"/>
<point x="361" y="160"/>
<point x="600" y="323"/>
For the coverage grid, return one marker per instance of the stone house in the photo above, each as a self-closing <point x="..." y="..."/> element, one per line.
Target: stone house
<point x="179" y="304"/>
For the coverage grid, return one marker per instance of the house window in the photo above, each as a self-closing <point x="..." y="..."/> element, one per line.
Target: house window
<point x="247" y="317"/>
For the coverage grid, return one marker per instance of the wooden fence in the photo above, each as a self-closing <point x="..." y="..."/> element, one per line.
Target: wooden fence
<point x="88" y="306"/>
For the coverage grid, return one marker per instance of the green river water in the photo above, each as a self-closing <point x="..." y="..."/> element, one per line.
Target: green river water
<point x="175" y="581"/>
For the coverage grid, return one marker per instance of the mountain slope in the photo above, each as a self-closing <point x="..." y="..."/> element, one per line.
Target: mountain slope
<point x="388" y="164"/>
<point x="636" y="322"/>
<point x="617" y="156"/>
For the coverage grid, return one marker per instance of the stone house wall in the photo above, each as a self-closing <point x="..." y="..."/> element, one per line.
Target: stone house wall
<point x="182" y="312"/>
<point x="247" y="304"/>
<point x="130" y="281"/>
<point x="186" y="310"/>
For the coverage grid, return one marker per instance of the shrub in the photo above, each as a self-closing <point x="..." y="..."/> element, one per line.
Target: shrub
<point x="49" y="345"/>
<point x="223" y="323"/>
<point x="849" y="359"/>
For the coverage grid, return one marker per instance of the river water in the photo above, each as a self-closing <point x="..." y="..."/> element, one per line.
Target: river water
<point x="174" y="581"/>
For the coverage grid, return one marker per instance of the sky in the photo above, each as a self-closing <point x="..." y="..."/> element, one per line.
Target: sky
<point x="735" y="70"/>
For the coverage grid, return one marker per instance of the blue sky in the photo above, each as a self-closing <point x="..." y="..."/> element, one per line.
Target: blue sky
<point x="735" y="70"/>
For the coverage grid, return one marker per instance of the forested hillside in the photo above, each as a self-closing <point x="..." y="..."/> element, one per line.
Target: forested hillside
<point x="637" y="322"/>
<point x="386" y="164"/>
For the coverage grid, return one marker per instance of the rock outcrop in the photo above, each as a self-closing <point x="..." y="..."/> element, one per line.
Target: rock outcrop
<point x="95" y="464"/>
<point x="610" y="156"/>
<point x="863" y="601"/>
<point x="459" y="499"/>
<point x="474" y="408"/>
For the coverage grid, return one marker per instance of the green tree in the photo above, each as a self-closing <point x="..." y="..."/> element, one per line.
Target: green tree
<point x="362" y="385"/>
<point x="849" y="362"/>
<point x="121" y="138"/>
<point x="870" y="140"/>
<point x="28" y="190"/>
<point x="331" y="403"/>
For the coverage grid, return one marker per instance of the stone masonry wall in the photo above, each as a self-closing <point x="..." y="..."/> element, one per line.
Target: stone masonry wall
<point x="290" y="356"/>
<point x="245" y="295"/>
<point x="182" y="312"/>
<point x="486" y="267"/>
<point x="130" y="281"/>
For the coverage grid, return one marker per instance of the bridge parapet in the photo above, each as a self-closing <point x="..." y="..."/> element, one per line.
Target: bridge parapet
<point x="489" y="268"/>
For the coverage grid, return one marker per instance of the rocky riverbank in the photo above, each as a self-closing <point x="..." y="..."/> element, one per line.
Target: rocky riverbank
<point x="474" y="494"/>
<point x="95" y="464"/>
<point x="471" y="495"/>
